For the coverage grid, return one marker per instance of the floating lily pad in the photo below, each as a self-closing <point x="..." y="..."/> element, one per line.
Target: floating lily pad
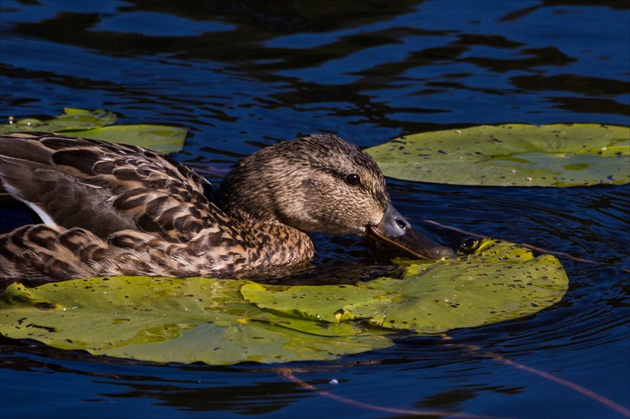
<point x="162" y="138"/>
<point x="230" y="321"/>
<point x="501" y="282"/>
<point x="169" y="320"/>
<point x="98" y="125"/>
<point x="71" y="119"/>
<point x="557" y="155"/>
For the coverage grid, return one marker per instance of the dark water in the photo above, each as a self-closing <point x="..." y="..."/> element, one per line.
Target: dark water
<point x="245" y="74"/>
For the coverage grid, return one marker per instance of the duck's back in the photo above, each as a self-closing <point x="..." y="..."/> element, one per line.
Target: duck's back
<point x="105" y="187"/>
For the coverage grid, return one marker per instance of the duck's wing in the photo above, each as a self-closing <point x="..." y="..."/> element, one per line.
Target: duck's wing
<point x="105" y="187"/>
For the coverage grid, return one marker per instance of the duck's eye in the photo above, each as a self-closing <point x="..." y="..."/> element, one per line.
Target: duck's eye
<point x="353" y="179"/>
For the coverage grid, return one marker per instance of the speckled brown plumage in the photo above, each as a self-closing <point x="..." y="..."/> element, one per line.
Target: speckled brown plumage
<point x="112" y="209"/>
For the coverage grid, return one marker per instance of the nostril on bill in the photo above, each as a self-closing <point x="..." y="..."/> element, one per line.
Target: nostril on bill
<point x="402" y="223"/>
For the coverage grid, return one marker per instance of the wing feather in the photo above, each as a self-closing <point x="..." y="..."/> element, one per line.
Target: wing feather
<point x="105" y="187"/>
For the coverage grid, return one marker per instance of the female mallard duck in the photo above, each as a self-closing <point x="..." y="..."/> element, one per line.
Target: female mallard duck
<point x="113" y="209"/>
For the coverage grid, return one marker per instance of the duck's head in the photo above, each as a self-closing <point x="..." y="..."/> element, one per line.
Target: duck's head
<point x="321" y="183"/>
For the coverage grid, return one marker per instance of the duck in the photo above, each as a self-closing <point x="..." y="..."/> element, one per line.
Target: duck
<point x="112" y="209"/>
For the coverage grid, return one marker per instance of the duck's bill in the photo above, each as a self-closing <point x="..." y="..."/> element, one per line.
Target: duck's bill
<point x="396" y="233"/>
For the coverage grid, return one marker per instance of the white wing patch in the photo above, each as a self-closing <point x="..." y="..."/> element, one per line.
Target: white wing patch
<point x="41" y="213"/>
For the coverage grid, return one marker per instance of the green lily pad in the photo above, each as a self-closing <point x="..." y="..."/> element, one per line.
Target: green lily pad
<point x="558" y="155"/>
<point x="230" y="321"/>
<point x="162" y="138"/>
<point x="71" y="119"/>
<point x="501" y="282"/>
<point x="98" y="125"/>
<point x="169" y="320"/>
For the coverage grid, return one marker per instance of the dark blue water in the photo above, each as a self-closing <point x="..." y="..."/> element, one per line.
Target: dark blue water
<point x="245" y="74"/>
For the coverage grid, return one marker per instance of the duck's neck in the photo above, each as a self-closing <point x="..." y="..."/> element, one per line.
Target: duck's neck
<point x="249" y="198"/>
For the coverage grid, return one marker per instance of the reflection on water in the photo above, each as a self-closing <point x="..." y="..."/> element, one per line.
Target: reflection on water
<point x="246" y="74"/>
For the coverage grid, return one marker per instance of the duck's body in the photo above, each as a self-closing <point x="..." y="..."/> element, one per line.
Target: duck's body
<point x="112" y="209"/>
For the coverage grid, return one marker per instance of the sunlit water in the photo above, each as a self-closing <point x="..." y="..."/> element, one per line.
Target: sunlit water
<point x="242" y="75"/>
